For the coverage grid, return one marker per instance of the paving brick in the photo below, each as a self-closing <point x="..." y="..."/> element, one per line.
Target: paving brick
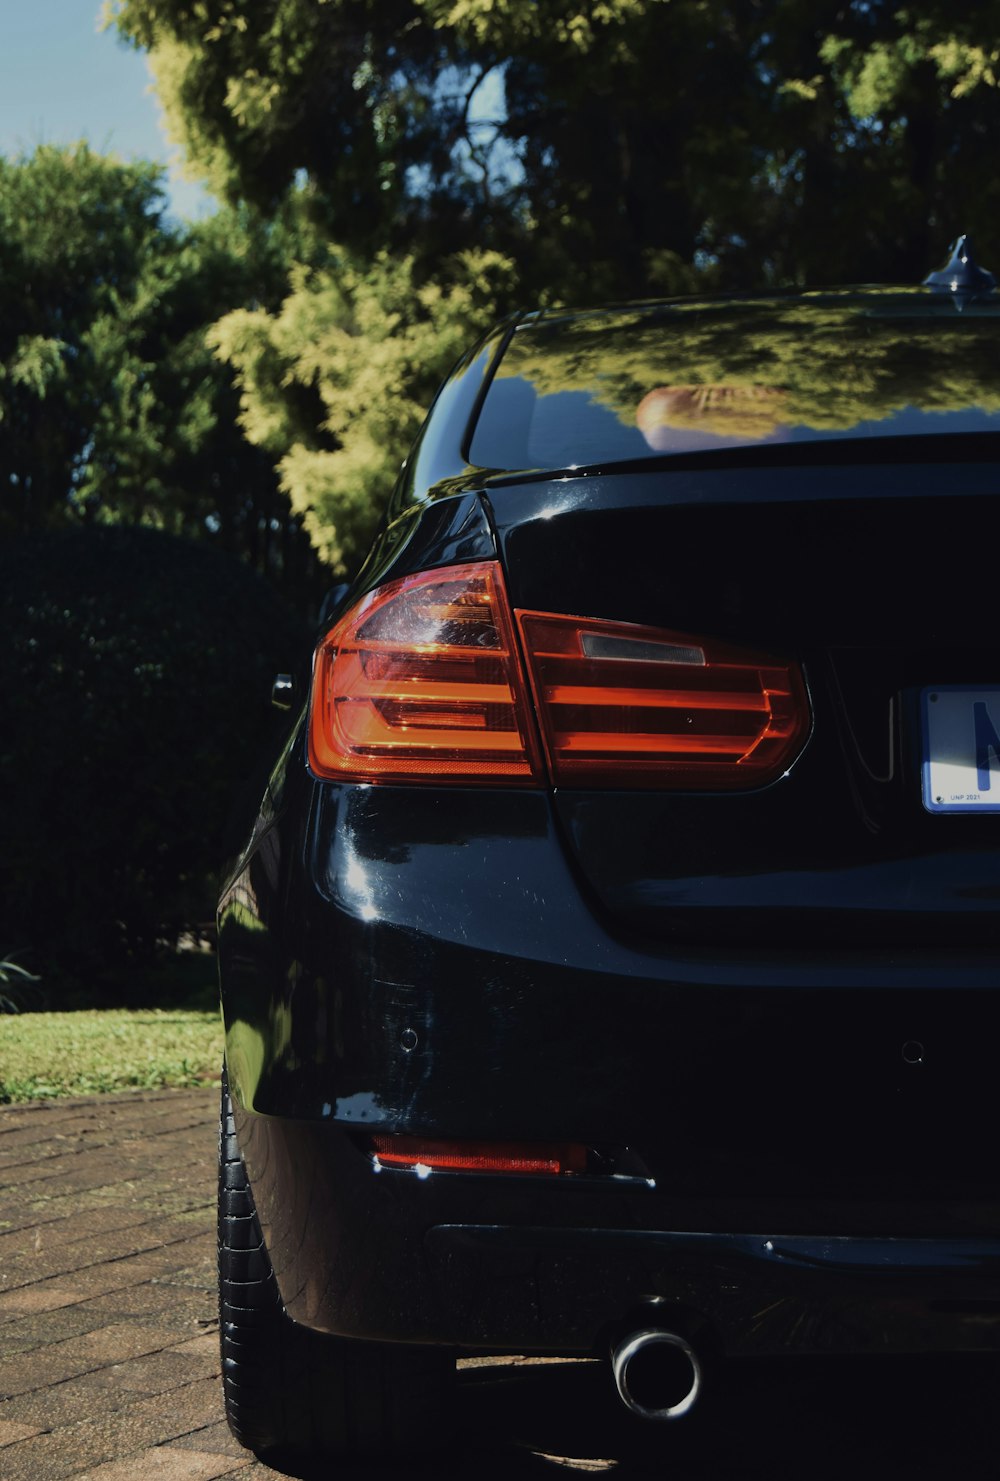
<point x="159" y="1372"/>
<point x="83" y="1354"/>
<point x="75" y="1202"/>
<point x="54" y="1317"/>
<point x="166" y="1463"/>
<point x="93" y="1281"/>
<point x="43" y="1261"/>
<point x="100" y="1118"/>
<point x="9" y="1431"/>
<point x="73" y="1448"/>
<point x="217" y="1439"/>
<point x="42" y="1297"/>
<point x="63" y="1402"/>
<point x="122" y="1340"/>
<point x="204" y="1343"/>
<point x="74" y="1217"/>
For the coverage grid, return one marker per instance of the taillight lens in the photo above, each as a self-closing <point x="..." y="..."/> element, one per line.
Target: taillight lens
<point x="421" y="681"/>
<point x="526" y="1158"/>
<point x="628" y="706"/>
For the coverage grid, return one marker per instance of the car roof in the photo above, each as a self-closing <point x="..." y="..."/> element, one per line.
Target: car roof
<point x="613" y="385"/>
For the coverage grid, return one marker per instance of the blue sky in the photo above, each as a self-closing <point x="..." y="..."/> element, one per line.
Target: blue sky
<point x="61" y="79"/>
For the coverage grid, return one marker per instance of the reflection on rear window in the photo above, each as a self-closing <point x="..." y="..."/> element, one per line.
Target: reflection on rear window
<point x="614" y="386"/>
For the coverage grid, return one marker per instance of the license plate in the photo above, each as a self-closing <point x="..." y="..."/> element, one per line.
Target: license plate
<point x="961" y="757"/>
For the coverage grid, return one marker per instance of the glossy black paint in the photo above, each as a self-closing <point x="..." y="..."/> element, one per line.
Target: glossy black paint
<point x="771" y="1017"/>
<point x="563" y="1269"/>
<point x="739" y="1092"/>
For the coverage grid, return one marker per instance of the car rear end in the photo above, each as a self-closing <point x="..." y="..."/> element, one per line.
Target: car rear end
<point x="616" y="949"/>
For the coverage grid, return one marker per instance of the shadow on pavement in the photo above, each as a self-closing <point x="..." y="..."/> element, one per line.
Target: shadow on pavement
<point x="787" y="1421"/>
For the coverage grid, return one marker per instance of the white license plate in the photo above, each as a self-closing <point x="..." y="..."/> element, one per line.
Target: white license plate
<point x="961" y="733"/>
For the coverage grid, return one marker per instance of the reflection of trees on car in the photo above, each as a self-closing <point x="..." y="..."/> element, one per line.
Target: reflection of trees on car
<point x="751" y="371"/>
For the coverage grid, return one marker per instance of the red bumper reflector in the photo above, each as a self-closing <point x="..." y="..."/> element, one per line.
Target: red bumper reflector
<point x="511" y="1157"/>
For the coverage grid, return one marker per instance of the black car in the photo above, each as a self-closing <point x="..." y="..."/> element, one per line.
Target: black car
<point x="612" y="967"/>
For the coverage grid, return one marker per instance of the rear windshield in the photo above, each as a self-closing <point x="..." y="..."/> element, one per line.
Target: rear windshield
<point x="614" y="386"/>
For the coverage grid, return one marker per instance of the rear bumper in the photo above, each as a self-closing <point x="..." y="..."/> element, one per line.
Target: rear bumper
<point x="752" y="1295"/>
<point x="769" y="1164"/>
<point x="484" y="1263"/>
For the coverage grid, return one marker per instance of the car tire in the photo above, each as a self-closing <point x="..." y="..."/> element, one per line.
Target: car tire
<point x="297" y="1395"/>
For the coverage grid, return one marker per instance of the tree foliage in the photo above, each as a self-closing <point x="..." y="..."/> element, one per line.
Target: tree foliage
<point x="136" y="669"/>
<point x="398" y="173"/>
<point x="77" y="231"/>
<point x="336" y="382"/>
<point x="112" y="406"/>
<point x="608" y="149"/>
<point x="628" y="142"/>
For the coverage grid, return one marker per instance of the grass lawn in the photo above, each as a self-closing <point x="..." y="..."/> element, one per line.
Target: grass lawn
<point x="98" y="1049"/>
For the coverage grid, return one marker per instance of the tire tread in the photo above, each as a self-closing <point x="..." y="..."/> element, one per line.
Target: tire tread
<point x="294" y="1393"/>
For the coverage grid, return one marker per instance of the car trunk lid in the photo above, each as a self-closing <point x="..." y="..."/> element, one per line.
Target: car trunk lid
<point x="875" y="580"/>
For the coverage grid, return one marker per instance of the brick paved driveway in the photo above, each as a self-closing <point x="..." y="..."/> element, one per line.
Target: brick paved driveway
<point x="109" y="1347"/>
<point x="108" y="1333"/>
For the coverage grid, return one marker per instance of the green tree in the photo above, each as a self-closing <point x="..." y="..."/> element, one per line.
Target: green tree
<point x="376" y="113"/>
<point x="75" y="230"/>
<point x="137" y="670"/>
<point x="334" y="385"/>
<point x="914" y="93"/>
<point x="634" y="144"/>
<point x="113" y="408"/>
<point x="608" y="149"/>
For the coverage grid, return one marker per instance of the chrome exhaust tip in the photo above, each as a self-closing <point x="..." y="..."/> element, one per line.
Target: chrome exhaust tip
<point x="657" y="1374"/>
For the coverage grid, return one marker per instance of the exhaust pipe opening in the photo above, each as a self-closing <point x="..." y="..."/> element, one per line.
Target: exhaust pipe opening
<point x="657" y="1374"/>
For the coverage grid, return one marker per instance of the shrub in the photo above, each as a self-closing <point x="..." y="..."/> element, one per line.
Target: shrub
<point x="135" y="670"/>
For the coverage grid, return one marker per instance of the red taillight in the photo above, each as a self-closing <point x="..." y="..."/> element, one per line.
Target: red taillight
<point x="515" y="1157"/>
<point x="422" y="681"/>
<point x="628" y="706"/>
